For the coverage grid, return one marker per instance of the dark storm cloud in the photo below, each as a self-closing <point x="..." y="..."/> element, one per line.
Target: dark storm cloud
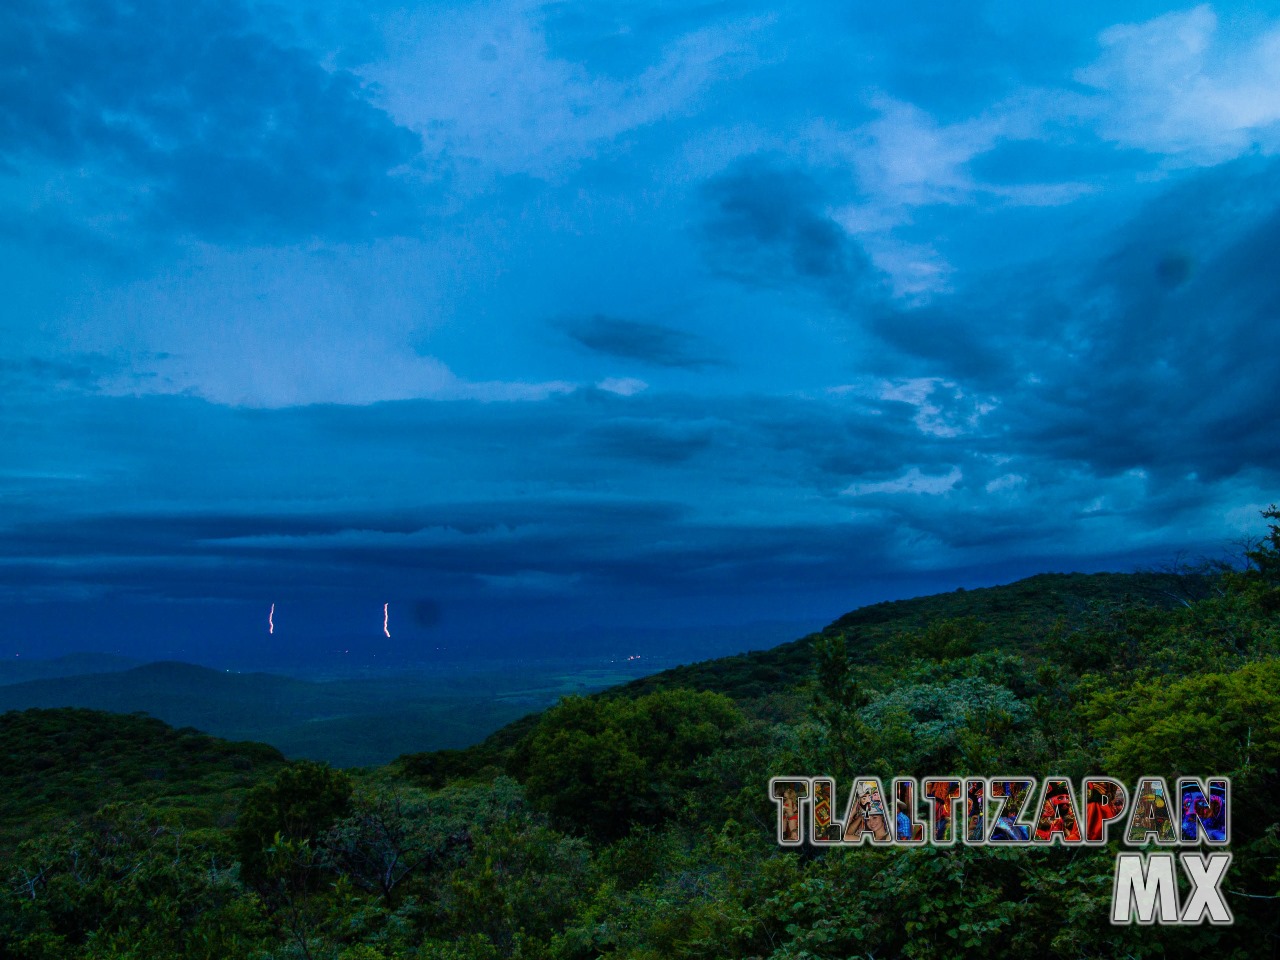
<point x="667" y="560"/>
<point x="484" y="508"/>
<point x="765" y="223"/>
<point x="180" y="557"/>
<point x="363" y="522"/>
<point x="1158" y="350"/>
<point x="223" y="131"/>
<point x="964" y="337"/>
<point x="260" y="532"/>
<point x="1172" y="347"/>
<point x="650" y="441"/>
<point x="651" y="343"/>
<point x="82" y="373"/>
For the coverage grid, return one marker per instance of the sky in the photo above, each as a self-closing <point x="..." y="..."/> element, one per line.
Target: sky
<point x="549" y="320"/>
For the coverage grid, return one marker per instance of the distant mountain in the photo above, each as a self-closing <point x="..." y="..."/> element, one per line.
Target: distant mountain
<point x="346" y="722"/>
<point x="1015" y="616"/>
<point x="363" y="722"/>
<point x="17" y="670"/>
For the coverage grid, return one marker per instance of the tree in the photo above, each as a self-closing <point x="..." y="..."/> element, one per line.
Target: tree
<point x="297" y="806"/>
<point x="600" y="765"/>
<point x="1265" y="557"/>
<point x="127" y="880"/>
<point x="391" y="835"/>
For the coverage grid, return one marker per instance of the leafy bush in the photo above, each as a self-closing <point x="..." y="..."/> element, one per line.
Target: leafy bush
<point x="601" y="765"/>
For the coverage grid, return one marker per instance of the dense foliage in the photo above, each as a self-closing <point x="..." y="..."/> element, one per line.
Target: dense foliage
<point x="636" y="824"/>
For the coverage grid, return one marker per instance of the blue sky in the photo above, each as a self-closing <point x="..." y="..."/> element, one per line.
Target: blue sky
<point x="530" y="317"/>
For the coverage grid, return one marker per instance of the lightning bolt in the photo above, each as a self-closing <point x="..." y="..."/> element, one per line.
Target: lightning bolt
<point x="385" y="618"/>
<point x="271" y="620"/>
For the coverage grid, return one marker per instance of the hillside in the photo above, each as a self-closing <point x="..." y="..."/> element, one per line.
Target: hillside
<point x="62" y="764"/>
<point x="1016" y="617"/>
<point x="18" y="670"/>
<point x="635" y="823"/>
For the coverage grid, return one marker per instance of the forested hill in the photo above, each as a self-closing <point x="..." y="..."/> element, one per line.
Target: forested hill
<point x="636" y="823"/>
<point x="66" y="763"/>
<point x="1017" y="616"/>
<point x="776" y="684"/>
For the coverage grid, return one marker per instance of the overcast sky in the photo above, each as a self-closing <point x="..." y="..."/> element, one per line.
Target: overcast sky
<point x="524" y="317"/>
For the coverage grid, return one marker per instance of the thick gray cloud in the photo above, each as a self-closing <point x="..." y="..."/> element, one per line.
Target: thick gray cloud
<point x="1157" y="352"/>
<point x="193" y="118"/>
<point x="764" y="223"/>
<point x="650" y="343"/>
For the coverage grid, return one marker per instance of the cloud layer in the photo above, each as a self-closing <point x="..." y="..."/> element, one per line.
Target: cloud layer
<point x="559" y="314"/>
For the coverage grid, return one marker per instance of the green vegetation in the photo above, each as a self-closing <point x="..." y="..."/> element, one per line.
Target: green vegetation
<point x="635" y="823"/>
<point x="61" y="765"/>
<point x="608" y="766"/>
